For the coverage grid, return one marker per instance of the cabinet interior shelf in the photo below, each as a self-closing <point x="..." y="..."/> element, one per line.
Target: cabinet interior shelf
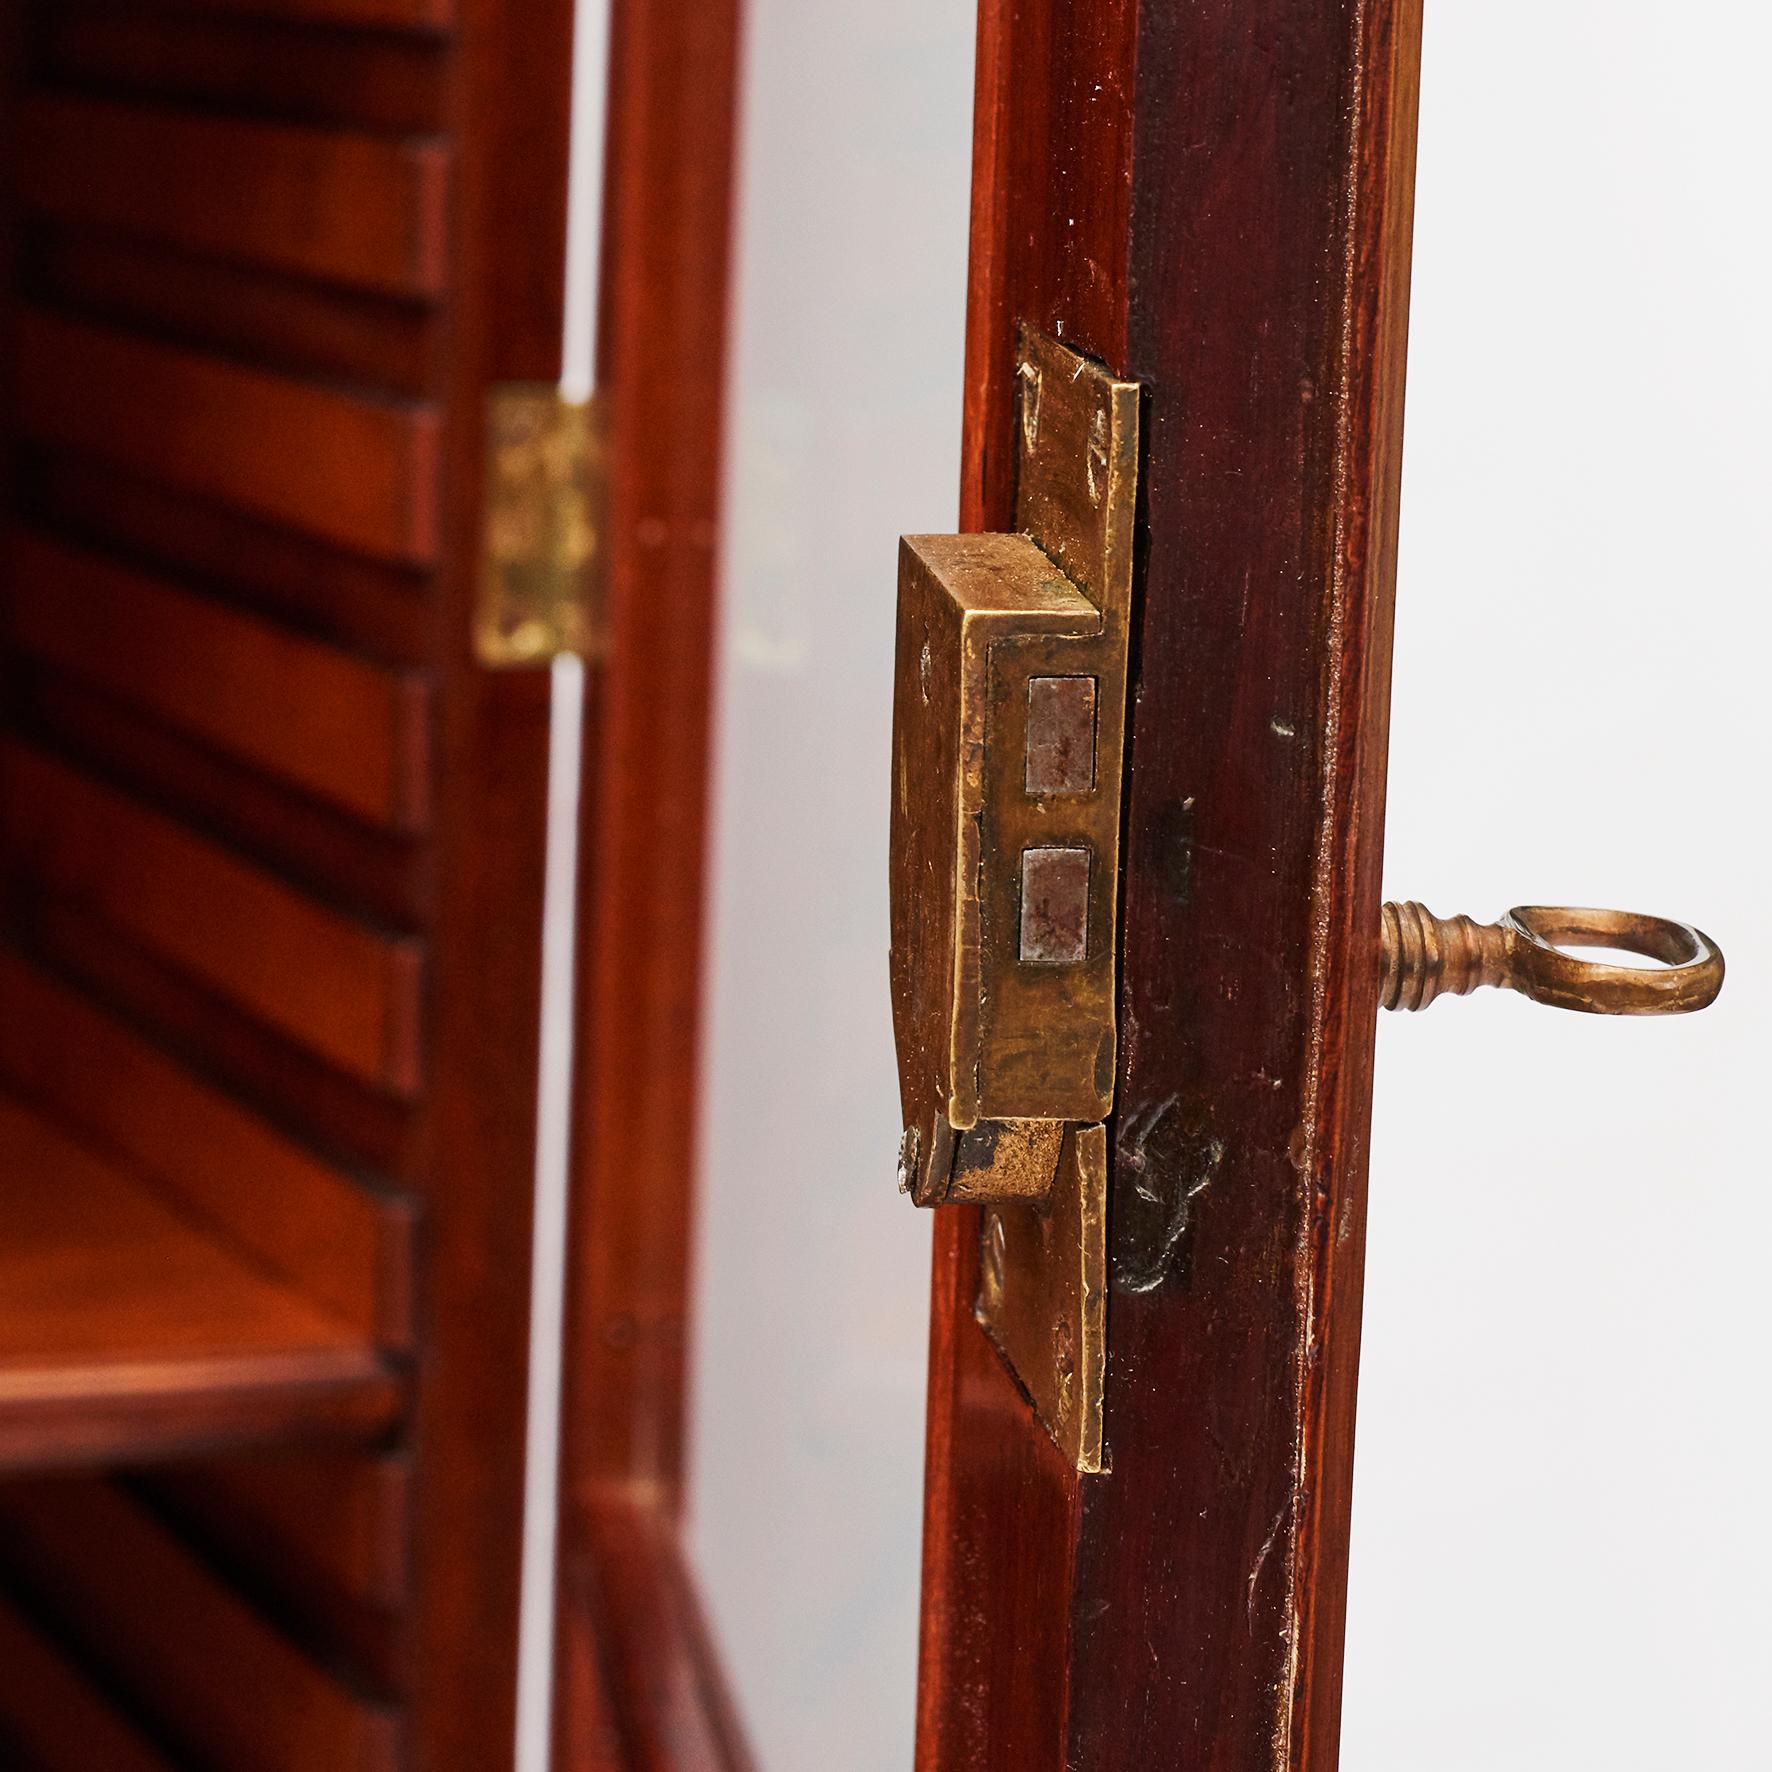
<point x="128" y="1331"/>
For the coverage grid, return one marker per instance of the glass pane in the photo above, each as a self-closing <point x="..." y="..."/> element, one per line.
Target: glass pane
<point x="1557" y="1559"/>
<point x="811" y="1326"/>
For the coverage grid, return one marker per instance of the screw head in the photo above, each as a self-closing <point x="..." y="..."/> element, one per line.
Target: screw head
<point x="910" y="1152"/>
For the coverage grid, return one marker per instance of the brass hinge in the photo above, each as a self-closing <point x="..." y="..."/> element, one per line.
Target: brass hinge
<point x="541" y="580"/>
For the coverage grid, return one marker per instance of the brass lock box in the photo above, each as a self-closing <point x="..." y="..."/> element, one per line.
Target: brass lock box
<point x="1008" y="738"/>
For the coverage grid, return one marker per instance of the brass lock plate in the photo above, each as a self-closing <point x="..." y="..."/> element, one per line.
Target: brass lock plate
<point x="1042" y="1295"/>
<point x="1009" y="735"/>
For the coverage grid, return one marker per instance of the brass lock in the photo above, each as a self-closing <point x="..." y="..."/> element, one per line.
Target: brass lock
<point x="1008" y="742"/>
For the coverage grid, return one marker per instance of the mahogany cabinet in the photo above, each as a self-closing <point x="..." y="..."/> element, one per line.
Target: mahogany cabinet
<point x="273" y="839"/>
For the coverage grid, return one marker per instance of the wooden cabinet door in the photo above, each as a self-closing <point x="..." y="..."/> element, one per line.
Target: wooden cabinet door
<point x="637" y="1682"/>
<point x="1214" y="202"/>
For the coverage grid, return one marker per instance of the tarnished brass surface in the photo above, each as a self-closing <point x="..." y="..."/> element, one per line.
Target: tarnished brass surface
<point x="1047" y="1033"/>
<point x="1008" y="743"/>
<point x="539" y="591"/>
<point x="1004" y="1011"/>
<point x="1043" y="1295"/>
<point x="961" y="597"/>
<point x="1425" y="957"/>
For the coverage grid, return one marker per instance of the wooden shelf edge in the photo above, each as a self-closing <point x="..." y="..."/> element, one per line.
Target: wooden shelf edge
<point x="128" y="1332"/>
<point x="95" y="1416"/>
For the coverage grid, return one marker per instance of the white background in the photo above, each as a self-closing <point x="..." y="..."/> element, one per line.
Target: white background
<point x="1559" y="1554"/>
<point x="1559" y="1549"/>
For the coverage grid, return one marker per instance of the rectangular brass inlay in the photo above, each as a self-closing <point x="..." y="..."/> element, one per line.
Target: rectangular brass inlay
<point x="1061" y="735"/>
<point x="1054" y="906"/>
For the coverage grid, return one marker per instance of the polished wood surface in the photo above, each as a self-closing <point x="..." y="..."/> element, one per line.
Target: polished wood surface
<point x="346" y="208"/>
<point x="332" y="983"/>
<point x="184" y="1650"/>
<point x="305" y="1221"/>
<point x="341" y="727"/>
<point x="52" y="1717"/>
<point x="357" y="471"/>
<point x="400" y="14"/>
<point x="1214" y="200"/>
<point x="345" y="1515"/>
<point x="306" y="329"/>
<point x="239" y="1516"/>
<point x="126" y="1328"/>
<point x="379" y="607"/>
<point x="296" y="68"/>
<point x="271" y="849"/>
<point x="643" y="1686"/>
<point x="510" y="107"/>
<point x="667" y="219"/>
<point x="638" y="1684"/>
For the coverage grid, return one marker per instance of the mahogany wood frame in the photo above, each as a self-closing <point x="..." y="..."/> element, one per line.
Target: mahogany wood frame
<point x="1214" y="198"/>
<point x="512" y="105"/>
<point x="638" y="1684"/>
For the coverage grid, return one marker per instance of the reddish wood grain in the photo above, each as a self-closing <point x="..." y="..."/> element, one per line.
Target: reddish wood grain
<point x="350" y="993"/>
<point x="125" y="1329"/>
<point x="346" y="1248"/>
<point x="645" y="1689"/>
<point x="509" y="111"/>
<point x="638" y="1686"/>
<point x="662" y="330"/>
<point x="347" y="208"/>
<point x="394" y="14"/>
<point x="274" y="1074"/>
<point x="354" y="471"/>
<point x="274" y="411"/>
<point x="286" y="68"/>
<point x="304" y="1550"/>
<point x="378" y="606"/>
<point x="346" y="1514"/>
<point x="378" y="872"/>
<point x="1214" y="199"/>
<point x="54" y="1714"/>
<point x="1052" y="138"/>
<point x="335" y="725"/>
<point x="306" y="329"/>
<point x="214" y="1675"/>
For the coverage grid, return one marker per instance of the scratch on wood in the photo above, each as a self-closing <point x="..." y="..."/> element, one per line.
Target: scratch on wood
<point x="1170" y="1165"/>
<point x="1261" y="1556"/>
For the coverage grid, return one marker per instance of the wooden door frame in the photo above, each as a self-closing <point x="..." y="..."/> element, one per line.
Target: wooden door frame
<point x="511" y="103"/>
<point x="638" y="1684"/>
<point x="1214" y="199"/>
